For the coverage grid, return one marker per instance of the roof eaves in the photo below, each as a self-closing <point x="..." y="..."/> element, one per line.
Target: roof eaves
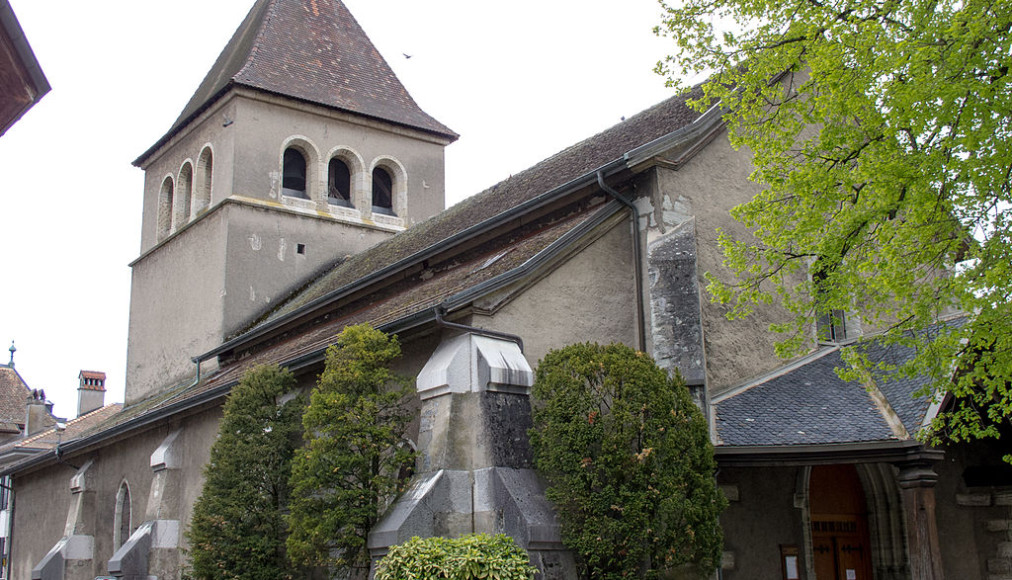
<point x="10" y="24"/>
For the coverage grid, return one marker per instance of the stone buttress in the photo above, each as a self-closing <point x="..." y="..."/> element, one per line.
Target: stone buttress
<point x="475" y="472"/>
<point x="72" y="557"/>
<point x="153" y="549"/>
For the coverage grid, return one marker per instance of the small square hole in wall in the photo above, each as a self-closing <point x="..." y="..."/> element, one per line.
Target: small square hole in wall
<point x="300" y="249"/>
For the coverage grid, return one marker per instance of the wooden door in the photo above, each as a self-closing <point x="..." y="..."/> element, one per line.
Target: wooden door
<point x="840" y="544"/>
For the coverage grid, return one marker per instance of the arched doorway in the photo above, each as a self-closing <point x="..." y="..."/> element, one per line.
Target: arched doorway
<point x="841" y="548"/>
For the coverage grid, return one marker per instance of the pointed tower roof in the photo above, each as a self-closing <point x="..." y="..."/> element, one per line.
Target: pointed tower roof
<point x="313" y="51"/>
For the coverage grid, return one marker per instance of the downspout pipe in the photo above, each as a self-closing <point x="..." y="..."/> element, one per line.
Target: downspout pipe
<point x="637" y="258"/>
<point x="440" y="310"/>
<point x="196" y="379"/>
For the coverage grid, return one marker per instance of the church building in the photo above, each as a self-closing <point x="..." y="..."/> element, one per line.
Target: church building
<point x="301" y="190"/>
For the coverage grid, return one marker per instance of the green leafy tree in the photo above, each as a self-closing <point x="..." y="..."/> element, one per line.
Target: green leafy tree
<point x="347" y="472"/>
<point x="885" y="149"/>
<point x="472" y="557"/>
<point x="629" y="463"/>
<point x="237" y="530"/>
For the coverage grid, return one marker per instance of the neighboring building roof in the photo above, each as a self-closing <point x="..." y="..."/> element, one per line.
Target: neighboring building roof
<point x="314" y="51"/>
<point x="809" y="404"/>
<point x="13" y="393"/>
<point x="22" y="83"/>
<point x="54" y="436"/>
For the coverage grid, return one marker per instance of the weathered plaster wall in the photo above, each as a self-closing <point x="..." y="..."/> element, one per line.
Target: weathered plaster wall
<point x="761" y="519"/>
<point x="176" y="300"/>
<point x="43" y="497"/>
<point x="703" y="191"/>
<point x="591" y="297"/>
<point x="262" y="260"/>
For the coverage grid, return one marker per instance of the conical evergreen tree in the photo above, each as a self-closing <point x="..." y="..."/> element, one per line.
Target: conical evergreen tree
<point x="237" y="529"/>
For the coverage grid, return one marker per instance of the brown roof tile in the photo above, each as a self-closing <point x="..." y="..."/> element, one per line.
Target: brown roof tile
<point x="75" y="428"/>
<point x="13" y="393"/>
<point x="314" y="51"/>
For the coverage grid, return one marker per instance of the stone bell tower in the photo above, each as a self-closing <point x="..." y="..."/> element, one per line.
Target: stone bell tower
<point x="300" y="147"/>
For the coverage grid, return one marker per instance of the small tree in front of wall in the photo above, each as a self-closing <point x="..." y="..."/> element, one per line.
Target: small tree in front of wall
<point x="629" y="463"/>
<point x="237" y="529"/>
<point x="347" y="472"/>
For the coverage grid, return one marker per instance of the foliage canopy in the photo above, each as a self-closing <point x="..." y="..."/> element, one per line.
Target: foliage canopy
<point x="348" y="471"/>
<point x="886" y="152"/>
<point x="629" y="463"/>
<point x="237" y="530"/>
<point x="472" y="557"/>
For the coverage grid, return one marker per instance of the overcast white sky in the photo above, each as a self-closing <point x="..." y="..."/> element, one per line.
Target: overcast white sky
<point x="517" y="80"/>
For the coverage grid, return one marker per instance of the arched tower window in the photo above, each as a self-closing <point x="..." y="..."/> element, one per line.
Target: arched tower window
<point x="202" y="187"/>
<point x="382" y="191"/>
<point x="339" y="183"/>
<point x="184" y="189"/>
<point x="293" y="174"/>
<point x="122" y="526"/>
<point x="165" y="196"/>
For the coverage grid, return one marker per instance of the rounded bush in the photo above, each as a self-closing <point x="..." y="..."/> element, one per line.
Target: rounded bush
<point x="467" y="558"/>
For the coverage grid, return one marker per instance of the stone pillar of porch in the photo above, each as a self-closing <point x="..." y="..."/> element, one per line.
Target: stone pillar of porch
<point x="917" y="484"/>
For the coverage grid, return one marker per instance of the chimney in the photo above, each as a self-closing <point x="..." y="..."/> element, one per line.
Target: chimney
<point x="38" y="415"/>
<point x="91" y="392"/>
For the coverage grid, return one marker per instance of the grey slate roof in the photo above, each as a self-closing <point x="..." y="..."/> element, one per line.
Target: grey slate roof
<point x="811" y="405"/>
<point x="314" y="51"/>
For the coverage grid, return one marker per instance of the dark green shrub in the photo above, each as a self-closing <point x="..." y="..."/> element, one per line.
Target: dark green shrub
<point x="237" y="530"/>
<point x="468" y="558"/>
<point x="629" y="463"/>
<point x="347" y="472"/>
